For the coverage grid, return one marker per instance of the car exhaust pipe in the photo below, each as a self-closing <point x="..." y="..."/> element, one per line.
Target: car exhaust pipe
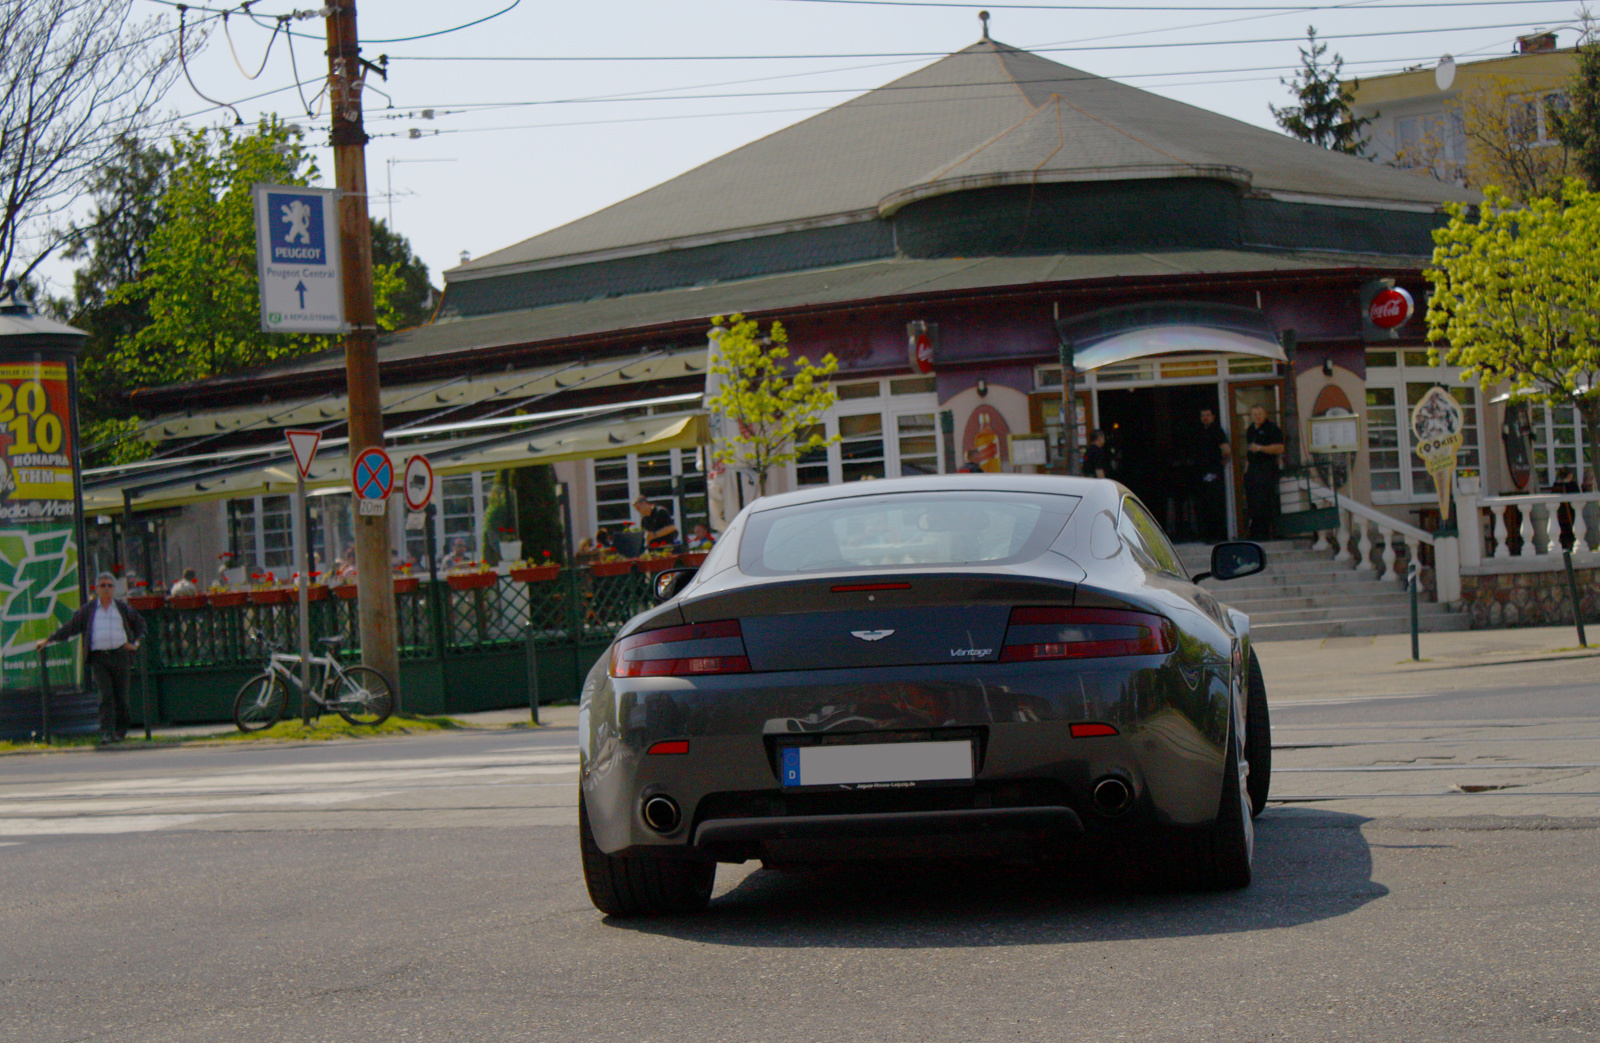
<point x="661" y="814"/>
<point x="1112" y="796"/>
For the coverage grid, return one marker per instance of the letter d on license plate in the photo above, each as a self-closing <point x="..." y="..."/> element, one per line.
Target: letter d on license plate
<point x="865" y="764"/>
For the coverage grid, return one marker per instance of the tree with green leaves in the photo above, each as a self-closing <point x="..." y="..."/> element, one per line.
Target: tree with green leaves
<point x="773" y="407"/>
<point x="1516" y="296"/>
<point x="112" y="243"/>
<point x="77" y="78"/>
<point x="407" y="296"/>
<point x="1323" y="115"/>
<point x="1578" y="128"/>
<point x="199" y="276"/>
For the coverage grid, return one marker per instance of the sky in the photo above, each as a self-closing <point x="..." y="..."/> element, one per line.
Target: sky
<point x="544" y="112"/>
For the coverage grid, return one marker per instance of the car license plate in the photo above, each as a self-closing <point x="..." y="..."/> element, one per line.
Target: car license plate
<point x="878" y="763"/>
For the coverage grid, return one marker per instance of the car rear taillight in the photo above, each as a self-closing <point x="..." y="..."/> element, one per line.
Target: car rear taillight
<point x="1085" y="633"/>
<point x="697" y="648"/>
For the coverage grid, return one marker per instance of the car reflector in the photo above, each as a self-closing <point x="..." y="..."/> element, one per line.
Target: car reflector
<point x="1085" y="633"/>
<point x="1079" y="731"/>
<point x="697" y="648"/>
<point x="681" y="746"/>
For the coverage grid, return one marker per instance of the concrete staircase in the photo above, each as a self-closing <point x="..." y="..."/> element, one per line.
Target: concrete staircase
<point x="1306" y="594"/>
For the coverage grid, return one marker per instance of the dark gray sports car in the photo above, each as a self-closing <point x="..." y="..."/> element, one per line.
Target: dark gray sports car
<point x="923" y="667"/>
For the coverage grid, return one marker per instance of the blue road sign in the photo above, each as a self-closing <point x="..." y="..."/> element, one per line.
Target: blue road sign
<point x="297" y="259"/>
<point x="373" y="475"/>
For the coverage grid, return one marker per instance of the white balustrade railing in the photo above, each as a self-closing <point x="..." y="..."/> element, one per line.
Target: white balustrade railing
<point x="1532" y="529"/>
<point x="1358" y="523"/>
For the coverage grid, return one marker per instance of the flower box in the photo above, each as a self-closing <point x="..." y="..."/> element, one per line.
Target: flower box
<point x="472" y="580"/>
<point x="693" y="559"/>
<point x="187" y="601"/>
<point x="347" y="591"/>
<point x="536" y="573"/>
<point x="658" y="564"/>
<point x="406" y="584"/>
<point x="272" y="596"/>
<point x="315" y="592"/>
<point x="610" y="568"/>
<point x="146" y="602"/>
<point x="227" y="598"/>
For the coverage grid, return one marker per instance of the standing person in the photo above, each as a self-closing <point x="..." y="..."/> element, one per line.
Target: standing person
<point x="1212" y="453"/>
<point x="1096" y="460"/>
<point x="189" y="584"/>
<point x="112" y="631"/>
<point x="659" y="528"/>
<point x="1263" y="445"/>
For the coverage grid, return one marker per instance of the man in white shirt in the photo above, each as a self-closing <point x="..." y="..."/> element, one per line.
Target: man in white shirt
<point x="112" y="631"/>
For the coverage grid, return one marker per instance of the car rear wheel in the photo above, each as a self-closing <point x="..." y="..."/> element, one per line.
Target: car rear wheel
<point x="1258" y="738"/>
<point x="1219" y="858"/>
<point x="639" y="885"/>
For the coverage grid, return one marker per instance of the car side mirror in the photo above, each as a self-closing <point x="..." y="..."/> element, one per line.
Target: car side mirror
<point x="1234" y="560"/>
<point x="669" y="581"/>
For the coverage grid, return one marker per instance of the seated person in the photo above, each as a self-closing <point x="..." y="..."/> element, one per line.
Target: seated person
<point x="460" y="554"/>
<point x="659" y="528"/>
<point x="188" y="585"/>
<point x="700" y="537"/>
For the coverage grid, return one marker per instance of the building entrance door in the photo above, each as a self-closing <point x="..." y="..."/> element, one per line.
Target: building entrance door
<point x="1154" y="437"/>
<point x="1243" y="395"/>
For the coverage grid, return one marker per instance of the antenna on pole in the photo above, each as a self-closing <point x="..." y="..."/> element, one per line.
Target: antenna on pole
<point x="983" y="16"/>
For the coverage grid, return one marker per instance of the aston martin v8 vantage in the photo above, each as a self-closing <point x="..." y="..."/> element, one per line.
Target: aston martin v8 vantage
<point x="948" y="666"/>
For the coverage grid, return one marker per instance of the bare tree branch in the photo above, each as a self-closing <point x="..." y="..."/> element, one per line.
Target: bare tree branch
<point x="76" y="76"/>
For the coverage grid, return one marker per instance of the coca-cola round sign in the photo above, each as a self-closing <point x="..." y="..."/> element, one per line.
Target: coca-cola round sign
<point x="1391" y="309"/>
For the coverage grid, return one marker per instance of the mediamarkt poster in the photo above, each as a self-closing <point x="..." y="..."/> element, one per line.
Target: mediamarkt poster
<point x="38" y="555"/>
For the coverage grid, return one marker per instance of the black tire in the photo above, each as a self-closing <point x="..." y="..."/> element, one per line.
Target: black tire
<point x="635" y="885"/>
<point x="1258" y="738"/>
<point x="364" y="696"/>
<point x="1218" y="858"/>
<point x="259" y="703"/>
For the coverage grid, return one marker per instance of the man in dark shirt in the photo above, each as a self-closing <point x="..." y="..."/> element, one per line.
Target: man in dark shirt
<point x="1212" y="454"/>
<point x="1264" y="445"/>
<point x="1095" y="463"/>
<point x="659" y="528"/>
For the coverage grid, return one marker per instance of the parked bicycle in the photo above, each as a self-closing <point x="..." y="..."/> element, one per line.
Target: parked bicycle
<point x="359" y="694"/>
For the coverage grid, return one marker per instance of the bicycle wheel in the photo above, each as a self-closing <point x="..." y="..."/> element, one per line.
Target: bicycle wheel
<point x="259" y="703"/>
<point x="364" y="696"/>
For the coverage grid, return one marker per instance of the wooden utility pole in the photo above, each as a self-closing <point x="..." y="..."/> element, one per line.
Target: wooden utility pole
<point x="375" y="606"/>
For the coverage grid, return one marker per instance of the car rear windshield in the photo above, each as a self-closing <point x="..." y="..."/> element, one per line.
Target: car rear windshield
<point x="903" y="530"/>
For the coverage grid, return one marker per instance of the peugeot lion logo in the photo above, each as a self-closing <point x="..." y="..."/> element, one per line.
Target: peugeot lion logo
<point x="871" y="635"/>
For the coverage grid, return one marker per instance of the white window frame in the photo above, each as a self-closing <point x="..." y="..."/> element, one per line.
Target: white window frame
<point x="889" y="407"/>
<point x="1395" y="379"/>
<point x="1542" y="419"/>
<point x="685" y="464"/>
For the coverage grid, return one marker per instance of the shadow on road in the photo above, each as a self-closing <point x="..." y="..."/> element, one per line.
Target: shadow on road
<point x="1310" y="865"/>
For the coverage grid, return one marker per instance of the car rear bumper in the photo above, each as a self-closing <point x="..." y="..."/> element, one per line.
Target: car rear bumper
<point x="1033" y="780"/>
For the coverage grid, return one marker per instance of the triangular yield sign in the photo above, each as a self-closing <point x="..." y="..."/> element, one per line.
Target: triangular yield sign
<point x="304" y="444"/>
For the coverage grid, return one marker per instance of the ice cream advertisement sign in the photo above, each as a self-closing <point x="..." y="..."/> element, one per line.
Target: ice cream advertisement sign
<point x="1437" y="423"/>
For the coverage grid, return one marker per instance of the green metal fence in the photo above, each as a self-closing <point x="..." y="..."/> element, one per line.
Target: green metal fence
<point x="460" y="650"/>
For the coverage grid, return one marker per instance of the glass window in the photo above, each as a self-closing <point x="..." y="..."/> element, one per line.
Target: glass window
<point x="1147" y="539"/>
<point x="1557" y="443"/>
<point x="850" y="391"/>
<point x="674" y="479"/>
<point x="861" y="446"/>
<point x="898" y="530"/>
<point x="812" y="466"/>
<point x="912" y="386"/>
<point x="1383" y="440"/>
<point x="919" y="443"/>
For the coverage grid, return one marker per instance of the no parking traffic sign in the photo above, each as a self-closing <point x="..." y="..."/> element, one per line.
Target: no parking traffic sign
<point x="419" y="482"/>
<point x="373" y="479"/>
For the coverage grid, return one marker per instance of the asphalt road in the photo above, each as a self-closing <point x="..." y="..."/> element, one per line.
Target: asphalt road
<point x="1432" y="875"/>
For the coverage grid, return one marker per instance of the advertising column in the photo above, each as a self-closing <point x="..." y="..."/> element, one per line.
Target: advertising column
<point x="40" y="586"/>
